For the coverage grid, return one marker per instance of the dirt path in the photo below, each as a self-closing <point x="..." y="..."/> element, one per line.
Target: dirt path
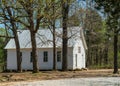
<point x="54" y="75"/>
<point x="94" y="81"/>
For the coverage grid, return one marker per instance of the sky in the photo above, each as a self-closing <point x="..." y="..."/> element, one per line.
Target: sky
<point x="1" y="25"/>
<point x="78" y="4"/>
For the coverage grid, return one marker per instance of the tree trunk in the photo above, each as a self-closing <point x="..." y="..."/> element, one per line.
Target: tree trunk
<point x="64" y="52"/>
<point x="65" y="9"/>
<point x="54" y="37"/>
<point x="14" y="30"/>
<point x="88" y="52"/>
<point x="54" y="53"/>
<point x="91" y="56"/>
<point x="54" y="48"/>
<point x="34" y="53"/>
<point x="19" y="58"/>
<point x="106" y="55"/>
<point x="115" y="52"/>
<point x="96" y="55"/>
<point x="100" y="53"/>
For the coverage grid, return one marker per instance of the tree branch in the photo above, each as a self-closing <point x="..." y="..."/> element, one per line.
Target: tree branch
<point x="38" y="22"/>
<point x="6" y="36"/>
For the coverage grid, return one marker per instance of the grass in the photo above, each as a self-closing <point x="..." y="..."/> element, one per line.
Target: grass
<point x="102" y="66"/>
<point x="48" y="75"/>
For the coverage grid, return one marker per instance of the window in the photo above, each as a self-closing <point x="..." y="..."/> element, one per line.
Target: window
<point x="79" y="49"/>
<point x="45" y="58"/>
<point x="58" y="56"/>
<point x="31" y="58"/>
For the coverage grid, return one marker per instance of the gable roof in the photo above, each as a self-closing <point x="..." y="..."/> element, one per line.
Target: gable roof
<point x="44" y="38"/>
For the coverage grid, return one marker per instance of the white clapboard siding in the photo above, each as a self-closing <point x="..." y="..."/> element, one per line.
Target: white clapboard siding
<point x="44" y="43"/>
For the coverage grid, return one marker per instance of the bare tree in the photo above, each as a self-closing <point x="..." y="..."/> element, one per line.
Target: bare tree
<point x="32" y="8"/>
<point x="65" y="10"/>
<point x="50" y="20"/>
<point x="7" y="15"/>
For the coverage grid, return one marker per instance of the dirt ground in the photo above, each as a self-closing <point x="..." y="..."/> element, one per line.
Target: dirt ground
<point x="48" y="75"/>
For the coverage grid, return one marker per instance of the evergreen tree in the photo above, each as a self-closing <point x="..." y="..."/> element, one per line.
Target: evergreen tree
<point x="112" y="10"/>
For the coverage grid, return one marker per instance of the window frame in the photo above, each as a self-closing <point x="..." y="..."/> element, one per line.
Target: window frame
<point x="59" y="55"/>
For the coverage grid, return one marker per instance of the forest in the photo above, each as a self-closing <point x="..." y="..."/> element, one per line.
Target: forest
<point x="99" y="19"/>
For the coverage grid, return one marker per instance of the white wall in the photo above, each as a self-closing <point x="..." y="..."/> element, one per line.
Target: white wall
<point x="45" y="65"/>
<point x="70" y="58"/>
<point x="80" y="62"/>
<point x="27" y="65"/>
<point x="11" y="59"/>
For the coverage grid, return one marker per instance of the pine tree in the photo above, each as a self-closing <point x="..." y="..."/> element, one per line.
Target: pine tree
<point x="112" y="10"/>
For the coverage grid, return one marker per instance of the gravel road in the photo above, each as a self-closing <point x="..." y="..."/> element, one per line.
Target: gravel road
<point x="102" y="81"/>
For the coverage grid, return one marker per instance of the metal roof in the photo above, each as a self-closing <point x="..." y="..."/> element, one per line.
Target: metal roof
<point x="44" y="38"/>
